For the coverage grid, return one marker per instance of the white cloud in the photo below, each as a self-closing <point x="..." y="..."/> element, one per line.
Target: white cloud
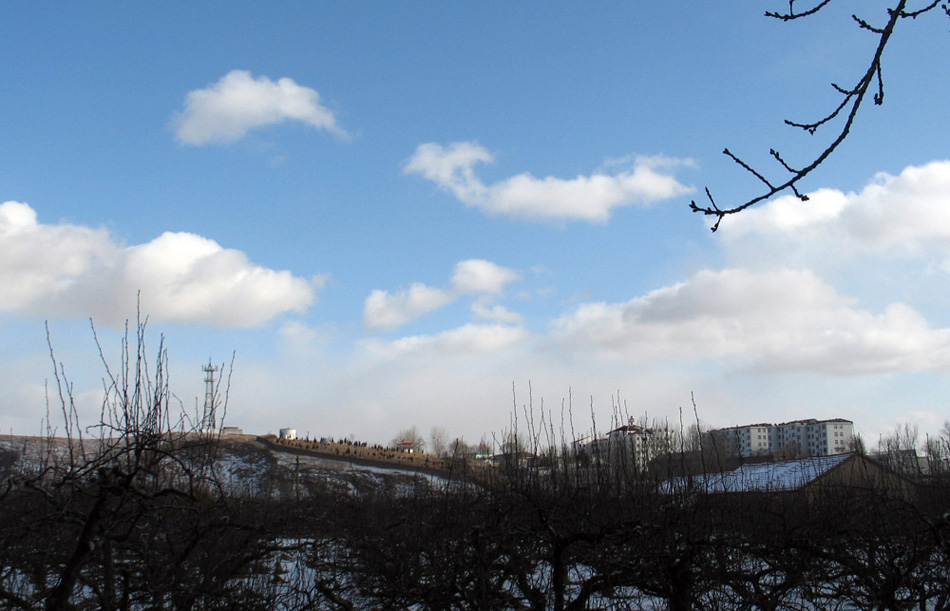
<point x="451" y="166"/>
<point x="298" y="332"/>
<point x="903" y="213"/>
<point x="500" y="313"/>
<point x="303" y="341"/>
<point x="40" y="261"/>
<point x="590" y="198"/>
<point x="467" y="339"/>
<point x="480" y="276"/>
<point x="776" y="321"/>
<point x="383" y="310"/>
<point x="73" y="271"/>
<point x="389" y="311"/>
<point x="226" y="110"/>
<point x="188" y="278"/>
<point x="320" y="280"/>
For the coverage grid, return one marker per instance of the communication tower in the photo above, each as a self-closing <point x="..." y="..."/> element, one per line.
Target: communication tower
<point x="208" y="419"/>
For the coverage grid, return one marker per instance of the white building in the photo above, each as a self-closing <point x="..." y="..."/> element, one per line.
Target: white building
<point x="797" y="438"/>
<point x="628" y="444"/>
<point x="747" y="440"/>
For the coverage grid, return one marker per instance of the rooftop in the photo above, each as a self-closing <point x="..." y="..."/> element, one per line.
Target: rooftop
<point x="761" y="477"/>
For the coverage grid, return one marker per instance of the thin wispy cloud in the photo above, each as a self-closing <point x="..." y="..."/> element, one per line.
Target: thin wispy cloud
<point x="496" y="312"/>
<point x="388" y="311"/>
<point x="467" y="339"/>
<point x="227" y="110"/>
<point x="590" y="198"/>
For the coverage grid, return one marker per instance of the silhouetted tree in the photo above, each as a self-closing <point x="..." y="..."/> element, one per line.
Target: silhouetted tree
<point x="127" y="513"/>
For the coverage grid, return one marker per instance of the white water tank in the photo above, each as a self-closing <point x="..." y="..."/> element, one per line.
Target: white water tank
<point x="288" y="433"/>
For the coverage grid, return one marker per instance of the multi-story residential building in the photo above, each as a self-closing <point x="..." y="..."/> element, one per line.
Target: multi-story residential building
<point x="747" y="440"/>
<point x="816" y="437"/>
<point x="629" y="444"/>
<point x="797" y="438"/>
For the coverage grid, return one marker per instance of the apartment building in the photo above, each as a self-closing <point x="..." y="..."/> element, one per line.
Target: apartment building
<point x="797" y="438"/>
<point x="630" y="444"/>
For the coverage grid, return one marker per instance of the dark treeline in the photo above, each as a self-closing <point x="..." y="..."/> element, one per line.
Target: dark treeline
<point x="151" y="528"/>
<point x="143" y="517"/>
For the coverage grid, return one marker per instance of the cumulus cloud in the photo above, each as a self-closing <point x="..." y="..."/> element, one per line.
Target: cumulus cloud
<point x="589" y="198"/>
<point x="226" y="110"/>
<point x="907" y="211"/>
<point x="188" y="278"/>
<point x="73" y="271"/>
<point x="389" y="311"/>
<point x="785" y="320"/>
<point x="39" y="261"/>
<point x="480" y="276"/>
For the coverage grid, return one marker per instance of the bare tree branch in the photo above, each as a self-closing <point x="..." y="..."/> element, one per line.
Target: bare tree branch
<point x="852" y="99"/>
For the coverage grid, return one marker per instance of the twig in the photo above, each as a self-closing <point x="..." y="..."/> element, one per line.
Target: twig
<point x="849" y="106"/>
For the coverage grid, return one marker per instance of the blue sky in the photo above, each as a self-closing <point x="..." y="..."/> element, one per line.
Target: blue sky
<point x="401" y="214"/>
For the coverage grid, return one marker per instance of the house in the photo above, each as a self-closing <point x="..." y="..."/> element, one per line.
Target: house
<point x="405" y="445"/>
<point x="812" y="474"/>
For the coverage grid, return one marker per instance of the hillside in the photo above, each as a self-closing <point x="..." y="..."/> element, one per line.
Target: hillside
<point x="247" y="465"/>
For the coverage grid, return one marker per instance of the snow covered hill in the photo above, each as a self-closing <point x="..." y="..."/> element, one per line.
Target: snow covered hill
<point x="243" y="466"/>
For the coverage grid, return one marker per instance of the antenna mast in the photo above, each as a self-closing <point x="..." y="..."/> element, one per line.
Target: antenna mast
<point x="208" y="424"/>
